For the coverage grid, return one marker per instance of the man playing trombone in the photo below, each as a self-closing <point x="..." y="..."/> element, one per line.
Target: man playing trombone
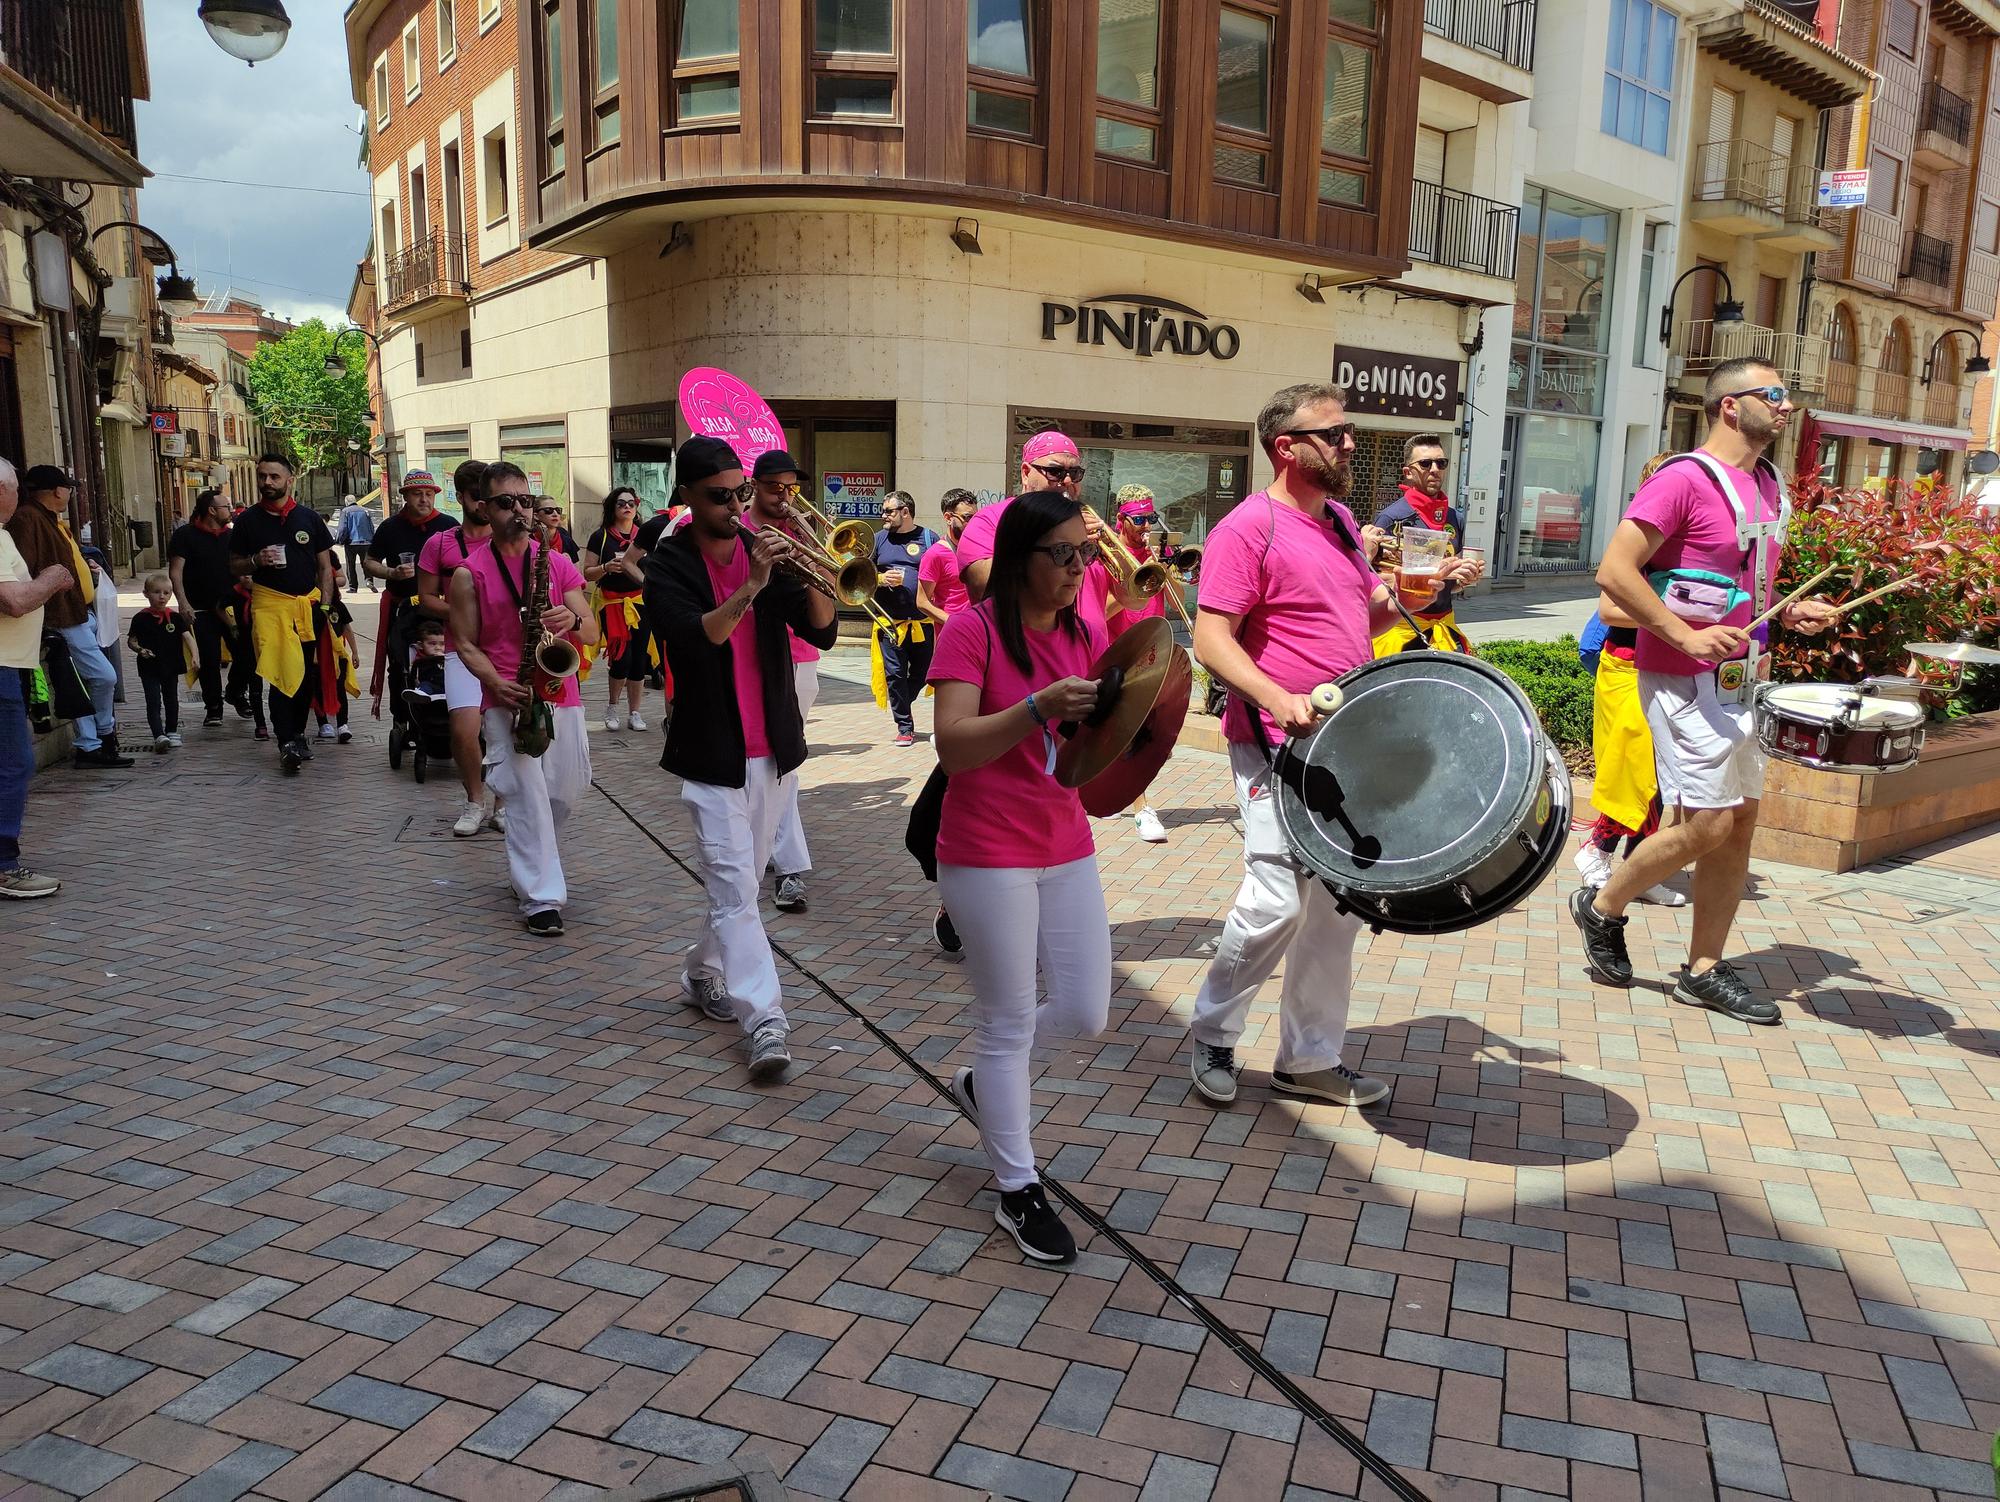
<point x="903" y="646"/>
<point x="726" y="612"/>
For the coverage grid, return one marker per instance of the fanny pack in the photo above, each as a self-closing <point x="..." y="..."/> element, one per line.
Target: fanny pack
<point x="1697" y="594"/>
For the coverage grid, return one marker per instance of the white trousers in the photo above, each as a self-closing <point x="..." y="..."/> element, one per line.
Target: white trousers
<point x="789" y="854"/>
<point x="540" y="792"/>
<point x="1281" y="913"/>
<point x="735" y="828"/>
<point x="1009" y="919"/>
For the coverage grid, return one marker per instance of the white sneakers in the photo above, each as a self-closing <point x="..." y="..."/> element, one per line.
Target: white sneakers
<point x="613" y="720"/>
<point x="470" y="820"/>
<point x="635" y="721"/>
<point x="328" y="731"/>
<point x="1151" y="830"/>
<point x="1594" y="866"/>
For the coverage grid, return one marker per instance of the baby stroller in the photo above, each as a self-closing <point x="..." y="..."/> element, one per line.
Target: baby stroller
<point x="420" y="722"/>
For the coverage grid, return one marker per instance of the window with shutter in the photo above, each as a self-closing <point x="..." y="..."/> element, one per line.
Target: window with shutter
<point x="1430" y="155"/>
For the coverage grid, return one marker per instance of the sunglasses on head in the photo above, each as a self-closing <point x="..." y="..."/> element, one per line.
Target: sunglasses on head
<point x="1061" y="473"/>
<point x="1775" y="395"/>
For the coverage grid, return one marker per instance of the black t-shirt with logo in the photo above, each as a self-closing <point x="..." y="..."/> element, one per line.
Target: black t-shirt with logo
<point x="160" y="639"/>
<point x="204" y="556"/>
<point x="903" y="550"/>
<point x="304" y="536"/>
<point x="608" y="550"/>
<point x="397" y="536"/>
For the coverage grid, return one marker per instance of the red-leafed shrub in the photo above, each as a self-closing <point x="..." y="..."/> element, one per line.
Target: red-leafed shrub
<point x="1876" y="536"/>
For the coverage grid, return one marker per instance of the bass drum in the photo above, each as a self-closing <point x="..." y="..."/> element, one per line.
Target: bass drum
<point x="1431" y="800"/>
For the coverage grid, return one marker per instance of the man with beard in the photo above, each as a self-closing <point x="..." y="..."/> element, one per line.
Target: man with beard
<point x="287" y="553"/>
<point x="940" y="590"/>
<point x="904" y="650"/>
<point x="443" y="554"/>
<point x="488" y="594"/>
<point x="1706" y="533"/>
<point x="198" y="565"/>
<point x="1049" y="461"/>
<point x="1289" y="600"/>
<point x="1421" y="502"/>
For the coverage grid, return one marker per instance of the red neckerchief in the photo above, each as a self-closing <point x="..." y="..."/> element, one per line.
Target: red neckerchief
<point x="1423" y="504"/>
<point x="290" y="502"/>
<point x="159" y="613"/>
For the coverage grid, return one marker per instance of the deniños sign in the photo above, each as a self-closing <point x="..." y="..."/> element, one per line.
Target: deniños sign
<point x="1145" y="327"/>
<point x="1381" y="383"/>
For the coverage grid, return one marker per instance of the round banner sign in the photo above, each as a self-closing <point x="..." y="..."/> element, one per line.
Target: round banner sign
<point x="716" y="404"/>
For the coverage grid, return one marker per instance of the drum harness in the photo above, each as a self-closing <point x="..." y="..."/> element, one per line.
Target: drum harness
<point x="1736" y="680"/>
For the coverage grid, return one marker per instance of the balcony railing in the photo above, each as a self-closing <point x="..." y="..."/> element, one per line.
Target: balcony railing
<point x="1941" y="401"/>
<point x="1946" y="113"/>
<point x="1927" y="259"/>
<point x="1891" y="397"/>
<point x="1499" y="28"/>
<point x="1802" y="204"/>
<point x="431" y="267"/>
<point x="78" y="51"/>
<point x="1843" y="386"/>
<point x="1463" y="230"/>
<point x="1743" y="171"/>
<point x="1802" y="359"/>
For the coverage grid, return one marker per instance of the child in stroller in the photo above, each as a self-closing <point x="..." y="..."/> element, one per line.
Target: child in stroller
<point x="424" y="707"/>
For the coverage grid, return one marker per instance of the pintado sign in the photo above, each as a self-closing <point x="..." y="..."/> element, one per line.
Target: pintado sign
<point x="1146" y="326"/>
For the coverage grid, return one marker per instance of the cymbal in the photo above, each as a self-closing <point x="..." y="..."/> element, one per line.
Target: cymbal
<point x="1130" y="674"/>
<point x="1953" y="651"/>
<point x="1113" y="790"/>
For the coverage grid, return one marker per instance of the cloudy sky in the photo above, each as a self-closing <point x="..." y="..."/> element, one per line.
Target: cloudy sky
<point x="289" y="121"/>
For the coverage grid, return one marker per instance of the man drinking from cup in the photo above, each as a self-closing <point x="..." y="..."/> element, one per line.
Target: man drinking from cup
<point x="1420" y="505"/>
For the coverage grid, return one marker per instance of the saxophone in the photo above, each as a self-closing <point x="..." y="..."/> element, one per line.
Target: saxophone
<point x="546" y="661"/>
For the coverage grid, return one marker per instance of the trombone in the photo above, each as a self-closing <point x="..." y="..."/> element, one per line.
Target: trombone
<point x="842" y="540"/>
<point x="851" y="580"/>
<point x="1134" y="581"/>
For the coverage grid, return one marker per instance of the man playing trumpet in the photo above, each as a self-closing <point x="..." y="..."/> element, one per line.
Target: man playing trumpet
<point x="490" y="597"/>
<point x="727" y="613"/>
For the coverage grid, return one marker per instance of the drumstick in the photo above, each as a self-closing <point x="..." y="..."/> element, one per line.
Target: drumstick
<point x="1325" y="699"/>
<point x="1885" y="589"/>
<point x="1791" y="598"/>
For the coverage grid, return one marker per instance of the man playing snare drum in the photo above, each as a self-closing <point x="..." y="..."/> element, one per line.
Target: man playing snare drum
<point x="1694" y="562"/>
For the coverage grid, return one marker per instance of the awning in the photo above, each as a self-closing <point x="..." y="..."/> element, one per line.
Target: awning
<point x="1884" y="431"/>
<point x="123" y="412"/>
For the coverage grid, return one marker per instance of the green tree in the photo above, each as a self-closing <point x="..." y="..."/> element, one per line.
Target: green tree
<point x="316" y="413"/>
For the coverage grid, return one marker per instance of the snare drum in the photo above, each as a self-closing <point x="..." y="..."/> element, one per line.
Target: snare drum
<point x="1841" y="727"/>
<point x="1431" y="800"/>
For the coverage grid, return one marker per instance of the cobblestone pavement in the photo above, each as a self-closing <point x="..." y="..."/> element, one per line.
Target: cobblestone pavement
<point x="319" y="1178"/>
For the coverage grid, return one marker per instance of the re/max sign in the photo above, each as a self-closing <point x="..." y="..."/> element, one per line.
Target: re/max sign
<point x="1147" y="326"/>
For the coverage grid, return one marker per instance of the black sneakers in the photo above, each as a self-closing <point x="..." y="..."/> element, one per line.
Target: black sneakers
<point x="1603" y="940"/>
<point x="1721" y="989"/>
<point x="961" y="1091"/>
<point x="547" y="924"/>
<point x="291" y="756"/>
<point x="945" y="934"/>
<point x="1025" y="1215"/>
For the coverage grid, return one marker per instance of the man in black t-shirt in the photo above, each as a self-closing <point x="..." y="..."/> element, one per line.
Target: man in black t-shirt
<point x="287" y="552"/>
<point x="906" y="652"/>
<point x="198" y="564"/>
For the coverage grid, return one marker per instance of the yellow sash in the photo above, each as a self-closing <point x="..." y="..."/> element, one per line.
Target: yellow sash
<point x="280" y="626"/>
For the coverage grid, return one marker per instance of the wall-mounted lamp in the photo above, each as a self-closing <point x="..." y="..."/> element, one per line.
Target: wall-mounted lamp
<point x="1977" y="365"/>
<point x="175" y="293"/>
<point x="1309" y="286"/>
<point x="677" y="239"/>
<point x="965" y="235"/>
<point x="1728" y="310"/>
<point x="251" y="31"/>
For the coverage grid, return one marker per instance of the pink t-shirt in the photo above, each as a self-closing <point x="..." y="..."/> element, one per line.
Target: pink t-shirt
<point x="1698" y="530"/>
<point x="442" y="555"/>
<point x="1010" y="812"/>
<point x="975" y="544"/>
<point x="500" y="609"/>
<point x="939" y="569"/>
<point x="1303" y="594"/>
<point x="1124" y="620"/>
<point x="726" y="579"/>
<point x="801" y="651"/>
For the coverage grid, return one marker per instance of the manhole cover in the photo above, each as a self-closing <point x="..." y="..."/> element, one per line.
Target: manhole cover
<point x="1889" y="907"/>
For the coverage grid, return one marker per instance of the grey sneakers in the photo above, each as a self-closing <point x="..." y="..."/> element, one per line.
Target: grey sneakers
<point x="1214" y="1071"/>
<point x="23" y="885"/>
<point x="1339" y="1084"/>
<point x="768" y="1054"/>
<point x="706" y="992"/>
<point x="791" y="895"/>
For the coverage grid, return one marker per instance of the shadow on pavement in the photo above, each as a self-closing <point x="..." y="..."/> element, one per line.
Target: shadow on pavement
<point x="1839" y="992"/>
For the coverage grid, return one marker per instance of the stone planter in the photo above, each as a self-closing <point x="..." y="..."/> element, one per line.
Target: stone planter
<point x="1835" y="821"/>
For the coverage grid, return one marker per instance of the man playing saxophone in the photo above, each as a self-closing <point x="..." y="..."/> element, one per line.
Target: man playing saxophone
<point x="513" y="603"/>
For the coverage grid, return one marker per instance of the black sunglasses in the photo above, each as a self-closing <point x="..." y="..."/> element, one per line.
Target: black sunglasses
<point x="1063" y="554"/>
<point x="1335" y="436"/>
<point x="718" y="495"/>
<point x="1061" y="473"/>
<point x="506" y="502"/>
<point x="1428" y="463"/>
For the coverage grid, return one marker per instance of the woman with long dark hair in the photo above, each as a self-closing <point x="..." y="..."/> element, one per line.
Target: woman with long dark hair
<point x="609" y="562"/>
<point x="1016" y="865"/>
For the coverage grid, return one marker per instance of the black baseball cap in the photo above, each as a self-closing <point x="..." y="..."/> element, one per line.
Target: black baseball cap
<point x="47" y="477"/>
<point x="774" y="462"/>
<point x="699" y="458"/>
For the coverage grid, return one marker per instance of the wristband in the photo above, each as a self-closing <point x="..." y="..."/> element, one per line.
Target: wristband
<point x="1035" y="712"/>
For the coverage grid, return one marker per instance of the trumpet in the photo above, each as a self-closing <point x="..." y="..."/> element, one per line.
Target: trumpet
<point x="841" y="540"/>
<point x="846" y="581"/>
<point x="1186" y="563"/>
<point x="1134" y="581"/>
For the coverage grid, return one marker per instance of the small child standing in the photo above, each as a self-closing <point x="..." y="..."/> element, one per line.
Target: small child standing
<point x="337" y="637"/>
<point x="157" y="637"/>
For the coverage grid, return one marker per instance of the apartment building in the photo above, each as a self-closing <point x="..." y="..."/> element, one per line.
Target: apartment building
<point x="1903" y="299"/>
<point x="1765" y="83"/>
<point x="483" y="344"/>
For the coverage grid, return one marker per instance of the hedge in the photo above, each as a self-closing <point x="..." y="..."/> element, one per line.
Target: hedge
<point x="1556" y="683"/>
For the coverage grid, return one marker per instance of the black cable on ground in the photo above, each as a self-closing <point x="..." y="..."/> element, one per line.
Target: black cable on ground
<point x="1303" y="1401"/>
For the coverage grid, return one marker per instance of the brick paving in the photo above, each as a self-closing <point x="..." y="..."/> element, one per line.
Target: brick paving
<point x="319" y="1178"/>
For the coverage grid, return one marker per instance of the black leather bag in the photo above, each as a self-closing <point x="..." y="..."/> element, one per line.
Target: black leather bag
<point x="921" y="838"/>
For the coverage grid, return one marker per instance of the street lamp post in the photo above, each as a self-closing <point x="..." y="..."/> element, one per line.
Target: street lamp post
<point x="251" y="31"/>
<point x="337" y="366"/>
<point x="1977" y="365"/>
<point x="1728" y="310"/>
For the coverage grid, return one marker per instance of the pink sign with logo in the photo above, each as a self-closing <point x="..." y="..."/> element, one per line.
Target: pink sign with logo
<point x="716" y="404"/>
